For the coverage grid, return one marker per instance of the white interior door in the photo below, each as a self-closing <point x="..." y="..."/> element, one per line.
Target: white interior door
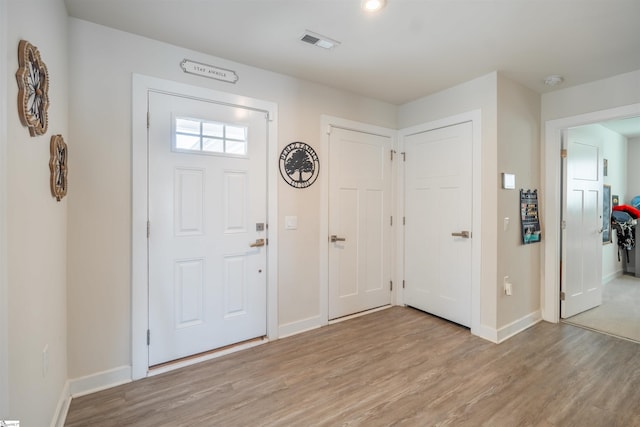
<point x="207" y="214"/>
<point x="360" y="221"/>
<point x="438" y="214"/>
<point x="581" y="282"/>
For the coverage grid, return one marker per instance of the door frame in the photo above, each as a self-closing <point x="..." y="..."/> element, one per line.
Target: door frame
<point x="475" y="117"/>
<point x="326" y="123"/>
<point x="552" y="207"/>
<point x="141" y="85"/>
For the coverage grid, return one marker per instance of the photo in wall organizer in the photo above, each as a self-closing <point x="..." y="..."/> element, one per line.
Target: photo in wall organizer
<point x="529" y="216"/>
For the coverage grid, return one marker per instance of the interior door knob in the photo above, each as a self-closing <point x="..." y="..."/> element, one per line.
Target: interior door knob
<point x="464" y="234"/>
<point x="333" y="238"/>
<point x="257" y="243"/>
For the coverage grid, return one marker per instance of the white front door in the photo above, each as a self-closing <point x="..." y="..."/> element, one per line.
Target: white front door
<point x="438" y="214"/>
<point x="359" y="221"/>
<point x="207" y="215"/>
<point x="581" y="237"/>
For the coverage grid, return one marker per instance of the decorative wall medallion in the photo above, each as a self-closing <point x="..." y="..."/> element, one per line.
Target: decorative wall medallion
<point x="299" y="165"/>
<point x="33" y="89"/>
<point x="58" y="167"/>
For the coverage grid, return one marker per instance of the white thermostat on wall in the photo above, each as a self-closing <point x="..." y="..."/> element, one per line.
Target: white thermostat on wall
<point x="508" y="181"/>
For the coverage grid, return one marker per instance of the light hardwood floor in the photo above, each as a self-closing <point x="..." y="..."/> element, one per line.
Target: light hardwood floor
<point x="397" y="367"/>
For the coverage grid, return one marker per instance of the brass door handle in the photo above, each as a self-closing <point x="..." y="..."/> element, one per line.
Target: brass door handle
<point x="464" y="234"/>
<point x="333" y="238"/>
<point x="257" y="243"/>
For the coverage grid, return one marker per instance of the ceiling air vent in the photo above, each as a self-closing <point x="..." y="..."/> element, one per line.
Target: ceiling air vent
<point x="318" y="40"/>
<point x="308" y="38"/>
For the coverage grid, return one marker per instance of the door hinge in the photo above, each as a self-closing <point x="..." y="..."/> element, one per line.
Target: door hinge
<point x="404" y="221"/>
<point x="391" y="220"/>
<point x="403" y="284"/>
<point x="562" y="296"/>
<point x="404" y="156"/>
<point x="148" y="229"/>
<point x="148" y="119"/>
<point x="329" y="130"/>
<point x="563" y="224"/>
<point x="390" y="285"/>
<point x="392" y="153"/>
<point x="563" y="153"/>
<point x="148" y="337"/>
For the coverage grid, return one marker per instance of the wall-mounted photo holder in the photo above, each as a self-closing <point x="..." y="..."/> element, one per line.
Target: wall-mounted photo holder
<point x="529" y="216"/>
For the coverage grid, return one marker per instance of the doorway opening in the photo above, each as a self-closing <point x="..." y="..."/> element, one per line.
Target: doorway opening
<point x="553" y="185"/>
<point x="616" y="312"/>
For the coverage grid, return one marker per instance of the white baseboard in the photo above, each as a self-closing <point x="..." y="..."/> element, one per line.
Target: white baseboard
<point x="609" y="277"/>
<point x="519" y="325"/>
<point x="487" y="333"/>
<point x="99" y="381"/>
<point x="60" y="416"/>
<point x="299" y="326"/>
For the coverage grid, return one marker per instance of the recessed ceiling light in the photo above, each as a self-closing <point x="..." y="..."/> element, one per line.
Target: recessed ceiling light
<point x="553" y="80"/>
<point x="373" y="5"/>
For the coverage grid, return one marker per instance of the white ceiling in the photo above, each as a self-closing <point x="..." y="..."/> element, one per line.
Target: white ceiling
<point x="626" y="127"/>
<point x="410" y="49"/>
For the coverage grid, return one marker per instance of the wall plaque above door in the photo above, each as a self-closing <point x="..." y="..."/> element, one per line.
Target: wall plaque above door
<point x="204" y="70"/>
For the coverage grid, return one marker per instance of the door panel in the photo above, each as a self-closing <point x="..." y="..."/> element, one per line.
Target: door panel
<point x="189" y="202"/>
<point x="207" y="285"/>
<point x="360" y="213"/>
<point x="438" y="203"/>
<point x="582" y="239"/>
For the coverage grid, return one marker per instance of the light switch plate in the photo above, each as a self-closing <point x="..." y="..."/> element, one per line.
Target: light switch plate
<point x="290" y="222"/>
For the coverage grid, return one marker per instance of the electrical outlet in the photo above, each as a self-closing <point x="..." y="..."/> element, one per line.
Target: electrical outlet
<point x="45" y="360"/>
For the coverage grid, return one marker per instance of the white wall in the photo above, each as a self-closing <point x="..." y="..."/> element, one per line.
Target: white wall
<point x="480" y="93"/>
<point x="519" y="154"/>
<point x="4" y="292"/>
<point x="101" y="65"/>
<point x="633" y="169"/>
<point x="36" y="224"/>
<point x="617" y="91"/>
